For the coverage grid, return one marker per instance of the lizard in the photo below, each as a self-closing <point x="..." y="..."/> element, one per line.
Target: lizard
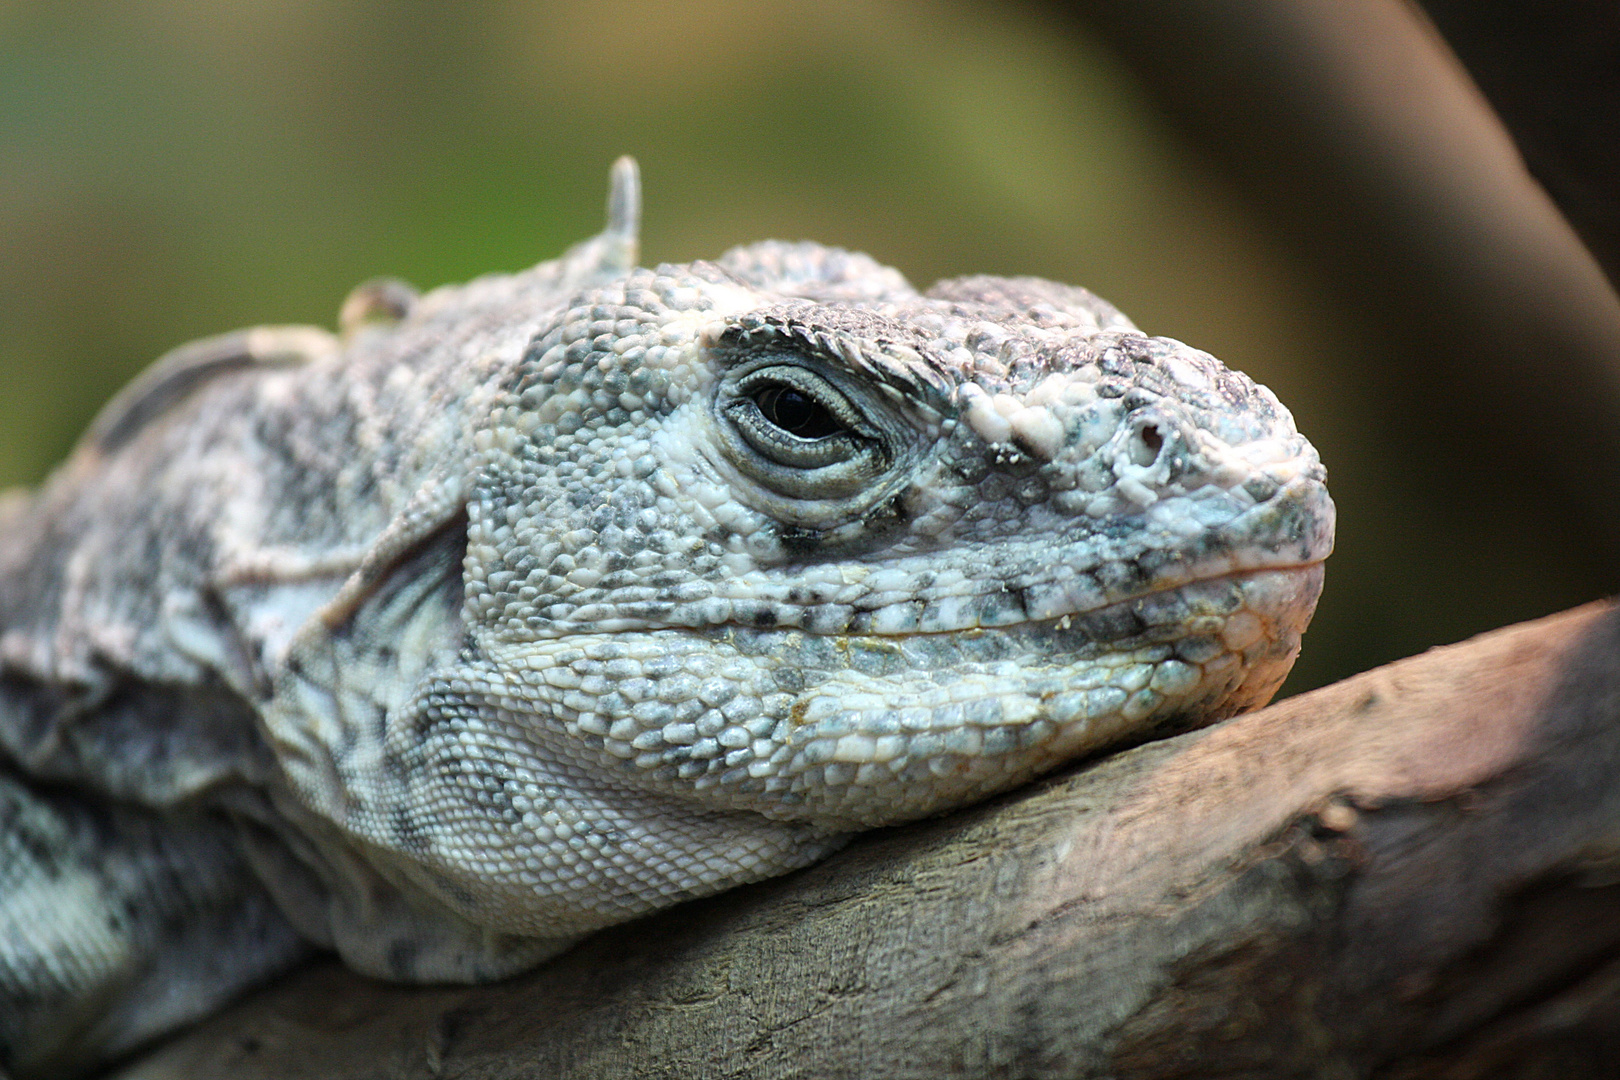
<point x="524" y="607"/>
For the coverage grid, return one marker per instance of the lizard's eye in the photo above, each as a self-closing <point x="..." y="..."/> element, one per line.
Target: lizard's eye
<point x="795" y="412"/>
<point x="802" y="435"/>
<point x="814" y="443"/>
<point x="793" y="417"/>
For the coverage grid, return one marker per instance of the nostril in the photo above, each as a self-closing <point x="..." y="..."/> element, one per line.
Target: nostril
<point x="1145" y="447"/>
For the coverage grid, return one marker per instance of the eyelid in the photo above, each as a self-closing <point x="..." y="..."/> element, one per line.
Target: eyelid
<point x="813" y="386"/>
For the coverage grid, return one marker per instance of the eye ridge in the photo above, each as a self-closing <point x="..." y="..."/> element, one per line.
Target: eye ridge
<point x="796" y="412"/>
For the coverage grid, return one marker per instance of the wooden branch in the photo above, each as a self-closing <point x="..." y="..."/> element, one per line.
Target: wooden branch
<point x="1411" y="873"/>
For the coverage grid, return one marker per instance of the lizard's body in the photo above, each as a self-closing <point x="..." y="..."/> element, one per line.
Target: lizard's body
<point x="562" y="596"/>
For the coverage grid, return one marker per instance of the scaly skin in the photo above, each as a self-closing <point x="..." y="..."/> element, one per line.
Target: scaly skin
<point x="536" y="604"/>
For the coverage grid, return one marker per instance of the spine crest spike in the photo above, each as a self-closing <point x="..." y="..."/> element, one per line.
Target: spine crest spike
<point x="624" y="214"/>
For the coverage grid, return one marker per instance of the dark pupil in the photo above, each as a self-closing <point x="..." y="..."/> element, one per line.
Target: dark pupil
<point x="796" y="412"/>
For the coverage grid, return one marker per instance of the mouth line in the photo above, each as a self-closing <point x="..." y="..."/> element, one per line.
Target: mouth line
<point x="1186" y="583"/>
<point x="1059" y="622"/>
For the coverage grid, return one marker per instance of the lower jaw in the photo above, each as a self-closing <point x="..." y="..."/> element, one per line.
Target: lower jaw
<point x="1240" y="633"/>
<point x="1142" y="669"/>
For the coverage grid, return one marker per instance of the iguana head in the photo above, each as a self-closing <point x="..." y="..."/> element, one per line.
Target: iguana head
<point x="763" y="551"/>
<point x="779" y="533"/>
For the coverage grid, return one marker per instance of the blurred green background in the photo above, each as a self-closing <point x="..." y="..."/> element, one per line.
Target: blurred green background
<point x="175" y="168"/>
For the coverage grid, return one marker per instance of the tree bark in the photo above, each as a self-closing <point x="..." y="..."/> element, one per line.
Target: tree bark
<point x="1411" y="873"/>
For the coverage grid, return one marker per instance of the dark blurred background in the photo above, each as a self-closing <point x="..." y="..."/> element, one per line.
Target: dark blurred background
<point x="175" y="168"/>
